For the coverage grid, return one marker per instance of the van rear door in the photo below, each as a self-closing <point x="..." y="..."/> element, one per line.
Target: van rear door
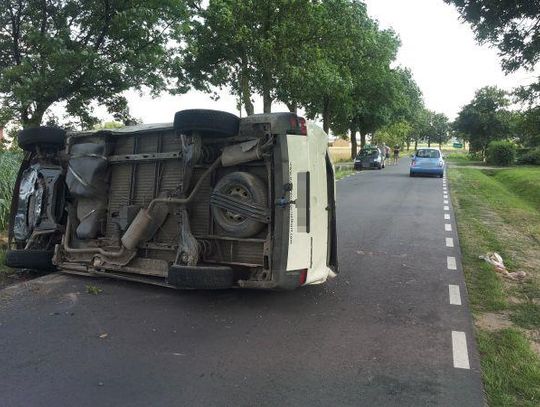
<point x="299" y="214"/>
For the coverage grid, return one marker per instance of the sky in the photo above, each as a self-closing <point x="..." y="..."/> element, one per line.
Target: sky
<point x="446" y="62"/>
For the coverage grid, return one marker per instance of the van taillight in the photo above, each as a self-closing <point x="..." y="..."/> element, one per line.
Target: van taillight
<point x="298" y="126"/>
<point x="303" y="276"/>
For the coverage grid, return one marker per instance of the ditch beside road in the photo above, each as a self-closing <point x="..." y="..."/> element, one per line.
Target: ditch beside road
<point x="498" y="210"/>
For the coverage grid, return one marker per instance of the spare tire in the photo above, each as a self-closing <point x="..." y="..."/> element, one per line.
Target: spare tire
<point x="209" y="122"/>
<point x="244" y="186"/>
<point x="30" y="259"/>
<point x="51" y="138"/>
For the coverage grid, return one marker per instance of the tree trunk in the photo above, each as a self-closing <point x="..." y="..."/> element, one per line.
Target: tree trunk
<point x="429" y="141"/>
<point x="293" y="106"/>
<point x="267" y="99"/>
<point x="32" y="119"/>
<point x="326" y="114"/>
<point x="362" y="139"/>
<point x="246" y="95"/>
<point x="415" y="144"/>
<point x="408" y="144"/>
<point x="354" y="147"/>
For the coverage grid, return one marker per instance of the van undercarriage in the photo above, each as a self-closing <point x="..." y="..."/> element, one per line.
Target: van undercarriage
<point x="196" y="204"/>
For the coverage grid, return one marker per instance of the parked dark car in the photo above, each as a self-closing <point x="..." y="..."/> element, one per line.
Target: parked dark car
<point x="369" y="157"/>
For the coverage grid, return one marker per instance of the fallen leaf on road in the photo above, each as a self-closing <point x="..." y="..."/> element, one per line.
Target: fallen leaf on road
<point x="103" y="336"/>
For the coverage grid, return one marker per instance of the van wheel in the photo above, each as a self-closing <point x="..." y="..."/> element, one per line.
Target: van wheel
<point x="50" y="138"/>
<point x="246" y="187"/>
<point x="212" y="122"/>
<point x="30" y="259"/>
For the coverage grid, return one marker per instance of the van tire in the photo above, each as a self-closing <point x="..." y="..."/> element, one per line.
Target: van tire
<point x="30" y="259"/>
<point x="209" y="122"/>
<point x="240" y="184"/>
<point x="51" y="138"/>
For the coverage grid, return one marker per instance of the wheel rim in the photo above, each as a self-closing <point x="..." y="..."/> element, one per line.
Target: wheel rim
<point x="239" y="192"/>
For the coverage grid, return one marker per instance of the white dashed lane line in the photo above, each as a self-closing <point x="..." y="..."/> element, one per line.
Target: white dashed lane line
<point x="446" y="208"/>
<point x="446" y="216"/>
<point x="459" y="350"/>
<point x="445" y="201"/>
<point x="447" y="227"/>
<point x="455" y="296"/>
<point x="449" y="242"/>
<point x="451" y="263"/>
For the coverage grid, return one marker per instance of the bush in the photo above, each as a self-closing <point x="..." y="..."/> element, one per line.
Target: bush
<point x="532" y="156"/>
<point x="501" y="153"/>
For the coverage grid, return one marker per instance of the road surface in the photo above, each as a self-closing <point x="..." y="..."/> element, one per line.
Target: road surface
<point x="389" y="331"/>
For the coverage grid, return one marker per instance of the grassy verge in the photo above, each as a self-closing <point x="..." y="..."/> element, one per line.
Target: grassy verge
<point x="343" y="173"/>
<point x="461" y="158"/>
<point x="7" y="274"/>
<point x="496" y="210"/>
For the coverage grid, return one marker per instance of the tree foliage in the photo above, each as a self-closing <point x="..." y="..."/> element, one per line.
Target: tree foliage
<point x="485" y="119"/>
<point x="76" y="51"/>
<point x="513" y="26"/>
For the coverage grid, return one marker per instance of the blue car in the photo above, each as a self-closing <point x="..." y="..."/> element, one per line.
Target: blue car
<point x="427" y="161"/>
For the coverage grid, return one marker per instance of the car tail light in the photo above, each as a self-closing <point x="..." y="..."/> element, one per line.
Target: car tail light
<point x="303" y="276"/>
<point x="440" y="163"/>
<point x="413" y="163"/>
<point x="297" y="126"/>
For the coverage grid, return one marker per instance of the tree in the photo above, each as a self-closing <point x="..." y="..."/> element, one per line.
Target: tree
<point x="528" y="127"/>
<point x="513" y="26"/>
<point x="76" y="51"/>
<point x="439" y="128"/>
<point x="247" y="45"/>
<point x="484" y="119"/>
<point x="393" y="134"/>
<point x="385" y="96"/>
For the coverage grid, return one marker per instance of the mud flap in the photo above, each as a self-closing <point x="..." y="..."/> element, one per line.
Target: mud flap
<point x="201" y="277"/>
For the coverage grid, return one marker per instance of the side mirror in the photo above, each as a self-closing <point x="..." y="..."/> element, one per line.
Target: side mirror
<point x="412" y="155"/>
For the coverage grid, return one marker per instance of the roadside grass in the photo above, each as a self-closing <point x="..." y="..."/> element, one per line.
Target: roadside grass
<point x="6" y="273"/>
<point x="340" y="154"/>
<point x="341" y="173"/>
<point x="9" y="167"/>
<point x="496" y="211"/>
<point x="511" y="371"/>
<point x="461" y="158"/>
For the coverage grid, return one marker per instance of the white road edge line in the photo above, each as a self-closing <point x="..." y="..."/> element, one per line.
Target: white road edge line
<point x="446" y="208"/>
<point x="455" y="296"/>
<point x="446" y="216"/>
<point x="449" y="242"/>
<point x="459" y="350"/>
<point x="451" y="263"/>
<point x="447" y="227"/>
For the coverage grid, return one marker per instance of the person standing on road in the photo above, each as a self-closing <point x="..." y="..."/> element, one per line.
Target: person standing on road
<point x="396" y="154"/>
<point x="386" y="153"/>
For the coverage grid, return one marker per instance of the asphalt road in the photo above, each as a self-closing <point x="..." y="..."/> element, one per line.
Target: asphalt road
<point x="381" y="334"/>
